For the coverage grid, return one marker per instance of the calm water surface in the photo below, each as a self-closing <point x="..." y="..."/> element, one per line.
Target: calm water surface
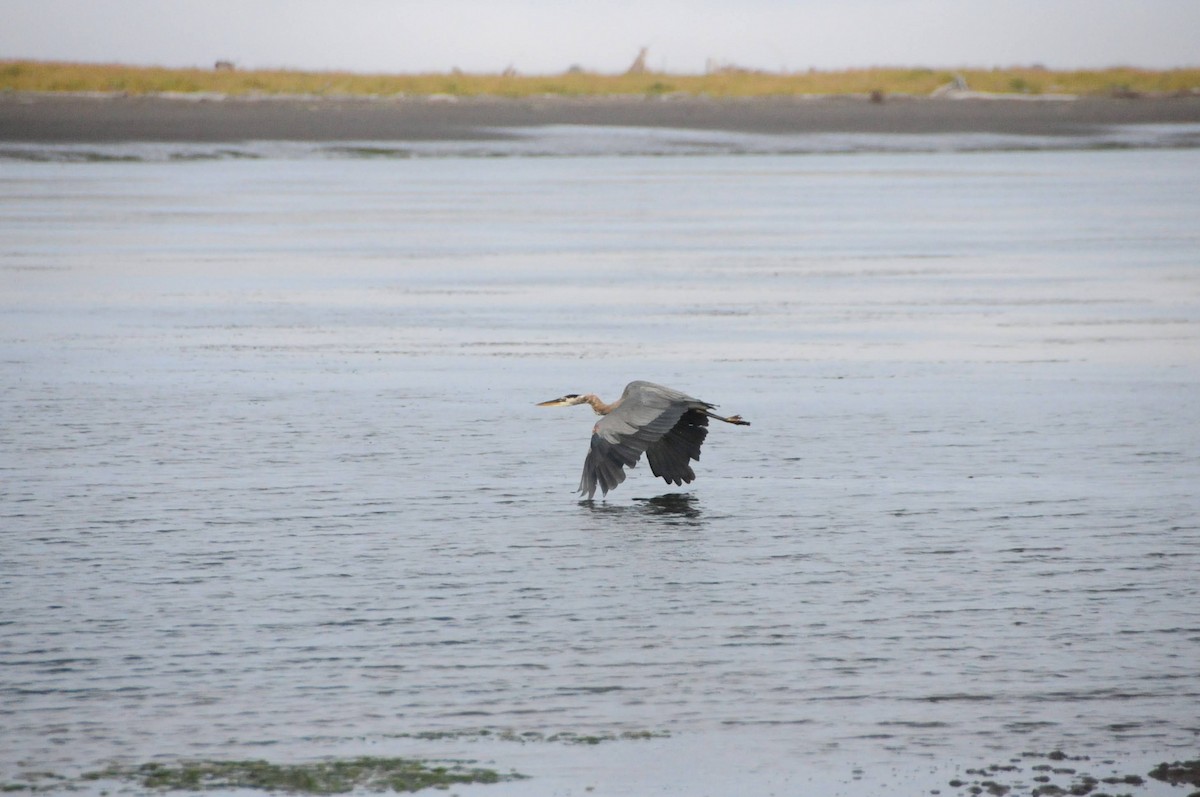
<point x="273" y="484"/>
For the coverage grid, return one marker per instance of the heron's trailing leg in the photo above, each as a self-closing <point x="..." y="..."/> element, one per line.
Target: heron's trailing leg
<point x="736" y="420"/>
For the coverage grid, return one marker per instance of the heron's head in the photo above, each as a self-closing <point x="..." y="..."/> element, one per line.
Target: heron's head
<point x="568" y="400"/>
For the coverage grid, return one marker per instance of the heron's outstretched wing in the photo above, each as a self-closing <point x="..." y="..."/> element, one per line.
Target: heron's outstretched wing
<point x="646" y="414"/>
<point x="669" y="456"/>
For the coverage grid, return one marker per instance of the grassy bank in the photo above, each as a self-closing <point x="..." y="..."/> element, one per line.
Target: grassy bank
<point x="43" y="76"/>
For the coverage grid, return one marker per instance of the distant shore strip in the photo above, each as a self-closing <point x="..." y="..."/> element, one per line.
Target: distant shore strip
<point x="66" y="118"/>
<point x="225" y="78"/>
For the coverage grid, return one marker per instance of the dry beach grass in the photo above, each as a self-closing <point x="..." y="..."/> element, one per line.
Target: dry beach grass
<point x="728" y="82"/>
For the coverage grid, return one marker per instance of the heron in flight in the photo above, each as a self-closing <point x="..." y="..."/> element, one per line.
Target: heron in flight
<point x="666" y="425"/>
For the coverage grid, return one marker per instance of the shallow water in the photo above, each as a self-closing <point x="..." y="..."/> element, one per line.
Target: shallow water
<point x="608" y="141"/>
<point x="273" y="481"/>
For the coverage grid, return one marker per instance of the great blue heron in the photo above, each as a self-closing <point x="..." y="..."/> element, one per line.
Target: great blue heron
<point x="668" y="426"/>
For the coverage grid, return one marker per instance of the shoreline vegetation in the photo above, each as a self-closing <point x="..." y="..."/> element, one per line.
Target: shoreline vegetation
<point x="334" y="776"/>
<point x="1053" y="774"/>
<point x="718" y="83"/>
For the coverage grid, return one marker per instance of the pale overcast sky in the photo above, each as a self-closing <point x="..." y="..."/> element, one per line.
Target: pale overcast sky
<point x="548" y="36"/>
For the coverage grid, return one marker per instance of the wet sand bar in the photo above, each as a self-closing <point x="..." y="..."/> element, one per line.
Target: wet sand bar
<point x="67" y="118"/>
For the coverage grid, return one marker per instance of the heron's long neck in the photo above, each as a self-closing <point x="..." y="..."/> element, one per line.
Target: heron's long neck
<point x="599" y="406"/>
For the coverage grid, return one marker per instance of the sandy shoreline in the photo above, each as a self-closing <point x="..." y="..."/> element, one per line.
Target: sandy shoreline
<point x="67" y="118"/>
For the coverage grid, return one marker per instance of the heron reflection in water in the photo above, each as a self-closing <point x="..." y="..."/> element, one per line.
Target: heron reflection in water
<point x="664" y="424"/>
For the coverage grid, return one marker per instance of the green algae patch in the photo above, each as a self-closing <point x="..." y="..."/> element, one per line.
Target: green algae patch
<point x="322" y="777"/>
<point x="1178" y="773"/>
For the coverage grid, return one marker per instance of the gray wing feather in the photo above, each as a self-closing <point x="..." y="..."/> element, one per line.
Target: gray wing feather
<point x="648" y="419"/>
